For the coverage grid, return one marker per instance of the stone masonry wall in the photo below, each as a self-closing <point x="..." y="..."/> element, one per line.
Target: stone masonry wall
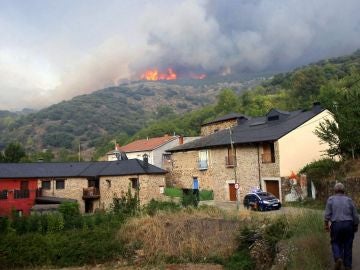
<point x="73" y="190"/>
<point x="149" y="188"/>
<point x="209" y="129"/>
<point x="218" y="176"/>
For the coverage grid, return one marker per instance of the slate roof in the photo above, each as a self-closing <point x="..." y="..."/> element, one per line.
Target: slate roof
<point x="226" y="117"/>
<point x="76" y="169"/>
<point x="257" y="129"/>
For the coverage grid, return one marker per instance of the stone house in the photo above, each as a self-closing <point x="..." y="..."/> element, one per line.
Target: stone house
<point x="154" y="148"/>
<point x="263" y="151"/>
<point x="94" y="185"/>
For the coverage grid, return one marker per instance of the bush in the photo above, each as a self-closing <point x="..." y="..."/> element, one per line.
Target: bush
<point x="173" y="192"/>
<point x="154" y="206"/>
<point x="190" y="197"/>
<point x="76" y="247"/>
<point x="127" y="205"/>
<point x="206" y="195"/>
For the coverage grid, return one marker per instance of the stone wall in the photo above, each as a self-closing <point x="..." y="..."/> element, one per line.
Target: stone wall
<point x="115" y="186"/>
<point x="209" y="129"/>
<point x="73" y="190"/>
<point x="218" y="176"/>
<point x="119" y="185"/>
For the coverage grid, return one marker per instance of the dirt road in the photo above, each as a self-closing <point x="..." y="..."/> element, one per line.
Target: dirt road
<point x="356" y="252"/>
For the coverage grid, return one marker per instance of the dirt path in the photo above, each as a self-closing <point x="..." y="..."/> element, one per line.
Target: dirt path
<point x="356" y="252"/>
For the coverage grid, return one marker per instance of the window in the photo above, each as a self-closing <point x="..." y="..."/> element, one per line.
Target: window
<point x="24" y="185"/>
<point x="21" y="194"/>
<point x="60" y="183"/>
<point x="3" y="194"/>
<point x="46" y="184"/>
<point x="230" y="159"/>
<point x="134" y="183"/>
<point x="268" y="155"/>
<point x="203" y="160"/>
<point x="166" y="158"/>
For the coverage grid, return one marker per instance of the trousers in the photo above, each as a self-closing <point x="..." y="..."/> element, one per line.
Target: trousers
<point x="342" y="236"/>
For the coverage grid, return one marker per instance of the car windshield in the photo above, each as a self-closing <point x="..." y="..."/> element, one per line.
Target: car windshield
<point x="265" y="195"/>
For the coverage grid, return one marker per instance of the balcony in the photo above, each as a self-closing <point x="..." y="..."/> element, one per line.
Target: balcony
<point x="268" y="158"/>
<point x="230" y="161"/>
<point x="21" y="194"/>
<point x="203" y="165"/>
<point x="91" y="193"/>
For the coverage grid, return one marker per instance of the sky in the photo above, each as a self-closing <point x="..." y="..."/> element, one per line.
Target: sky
<point x="54" y="50"/>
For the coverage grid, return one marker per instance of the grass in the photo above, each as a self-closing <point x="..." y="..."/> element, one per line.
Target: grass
<point x="307" y="203"/>
<point x="173" y="192"/>
<point x="191" y="235"/>
<point x="205" y="195"/>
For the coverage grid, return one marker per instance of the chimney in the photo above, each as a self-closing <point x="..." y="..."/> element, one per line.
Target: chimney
<point x="181" y="140"/>
<point x="146" y="160"/>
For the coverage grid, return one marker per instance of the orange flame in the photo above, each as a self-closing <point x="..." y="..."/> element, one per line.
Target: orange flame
<point x="155" y="75"/>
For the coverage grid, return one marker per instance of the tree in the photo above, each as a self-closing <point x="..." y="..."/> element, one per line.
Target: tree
<point x="13" y="152"/>
<point x="228" y="101"/>
<point x="343" y="133"/>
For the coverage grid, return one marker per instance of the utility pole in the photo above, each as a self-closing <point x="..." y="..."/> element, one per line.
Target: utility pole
<point x="79" y="151"/>
<point x="235" y="165"/>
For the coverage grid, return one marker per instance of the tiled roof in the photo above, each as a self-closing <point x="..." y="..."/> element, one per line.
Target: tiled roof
<point x="76" y="169"/>
<point x="146" y="144"/>
<point x="258" y="129"/>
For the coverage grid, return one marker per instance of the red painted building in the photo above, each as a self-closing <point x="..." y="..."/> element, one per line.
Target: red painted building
<point x="18" y="195"/>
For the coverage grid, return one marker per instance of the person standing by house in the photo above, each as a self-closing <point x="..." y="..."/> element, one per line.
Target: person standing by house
<point x="341" y="220"/>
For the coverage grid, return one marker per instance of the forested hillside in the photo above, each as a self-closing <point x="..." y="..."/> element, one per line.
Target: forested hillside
<point x="320" y="81"/>
<point x="91" y="120"/>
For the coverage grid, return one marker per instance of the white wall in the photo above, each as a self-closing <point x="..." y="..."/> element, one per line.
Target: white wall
<point x="301" y="146"/>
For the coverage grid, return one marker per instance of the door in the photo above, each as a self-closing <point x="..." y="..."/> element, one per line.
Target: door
<point x="232" y="192"/>
<point x="195" y="183"/>
<point x="272" y="186"/>
<point x="89" y="206"/>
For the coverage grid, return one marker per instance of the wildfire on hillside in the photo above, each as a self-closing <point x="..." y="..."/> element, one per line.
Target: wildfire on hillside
<point x="155" y="75"/>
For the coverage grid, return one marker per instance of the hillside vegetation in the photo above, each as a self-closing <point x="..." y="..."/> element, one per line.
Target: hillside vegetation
<point x="94" y="118"/>
<point x="140" y="109"/>
<point x="286" y="91"/>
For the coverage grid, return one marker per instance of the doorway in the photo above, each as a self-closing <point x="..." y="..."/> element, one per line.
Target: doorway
<point x="89" y="206"/>
<point x="272" y="186"/>
<point x="232" y="192"/>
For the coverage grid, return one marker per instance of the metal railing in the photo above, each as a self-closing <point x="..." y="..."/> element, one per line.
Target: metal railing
<point x="91" y="193"/>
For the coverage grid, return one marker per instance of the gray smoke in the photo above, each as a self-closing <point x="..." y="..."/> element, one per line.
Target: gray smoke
<point x="254" y="35"/>
<point x="190" y="36"/>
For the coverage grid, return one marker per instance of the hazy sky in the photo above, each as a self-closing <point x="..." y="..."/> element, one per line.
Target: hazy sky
<point x="54" y="50"/>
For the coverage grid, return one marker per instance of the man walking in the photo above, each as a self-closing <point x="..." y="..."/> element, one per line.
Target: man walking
<point x="341" y="213"/>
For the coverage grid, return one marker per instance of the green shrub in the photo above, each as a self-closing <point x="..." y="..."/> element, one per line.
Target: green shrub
<point x="75" y="247"/>
<point x="4" y="225"/>
<point x="127" y="204"/>
<point x="55" y="222"/>
<point x="154" y="206"/>
<point x="240" y="260"/>
<point x="190" y="197"/>
<point x="206" y="195"/>
<point x="173" y="192"/>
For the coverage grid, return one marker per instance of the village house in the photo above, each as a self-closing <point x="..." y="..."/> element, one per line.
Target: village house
<point x="94" y="185"/>
<point x="249" y="153"/>
<point x="153" y="148"/>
